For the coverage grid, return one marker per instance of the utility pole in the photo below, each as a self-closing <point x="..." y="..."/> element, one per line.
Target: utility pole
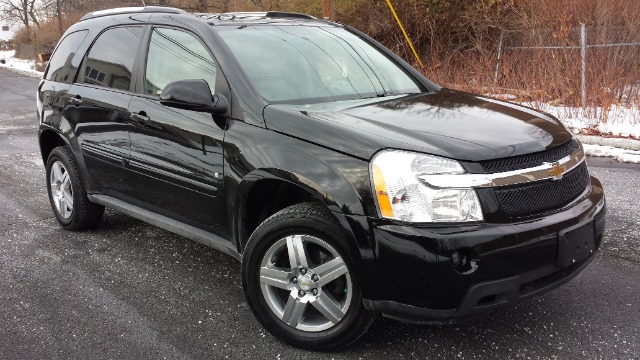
<point x="35" y="52"/>
<point x="60" y="22"/>
<point x="328" y="11"/>
<point x="583" y="58"/>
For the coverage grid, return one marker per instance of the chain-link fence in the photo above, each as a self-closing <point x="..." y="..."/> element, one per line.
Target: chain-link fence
<point x="573" y="66"/>
<point x="25" y="51"/>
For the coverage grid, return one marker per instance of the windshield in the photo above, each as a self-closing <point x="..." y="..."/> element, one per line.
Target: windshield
<point x="291" y="64"/>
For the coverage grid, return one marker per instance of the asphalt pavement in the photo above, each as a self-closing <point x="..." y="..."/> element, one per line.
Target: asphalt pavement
<point x="129" y="290"/>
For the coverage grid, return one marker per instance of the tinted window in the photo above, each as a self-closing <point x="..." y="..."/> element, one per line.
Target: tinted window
<point x="305" y="64"/>
<point x="176" y="55"/>
<point x="60" y="68"/>
<point x="110" y="60"/>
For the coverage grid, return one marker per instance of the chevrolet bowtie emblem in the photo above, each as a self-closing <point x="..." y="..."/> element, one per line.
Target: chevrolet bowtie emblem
<point x="556" y="172"/>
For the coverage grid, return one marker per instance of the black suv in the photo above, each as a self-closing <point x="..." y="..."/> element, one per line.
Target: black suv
<point x="346" y="182"/>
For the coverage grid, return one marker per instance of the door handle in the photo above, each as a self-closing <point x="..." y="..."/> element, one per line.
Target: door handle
<point x="76" y="100"/>
<point x="139" y="118"/>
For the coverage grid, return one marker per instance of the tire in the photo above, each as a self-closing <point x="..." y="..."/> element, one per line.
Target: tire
<point x="328" y="318"/>
<point x="67" y="195"/>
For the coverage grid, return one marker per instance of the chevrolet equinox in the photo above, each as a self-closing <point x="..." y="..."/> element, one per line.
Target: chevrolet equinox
<point x="346" y="183"/>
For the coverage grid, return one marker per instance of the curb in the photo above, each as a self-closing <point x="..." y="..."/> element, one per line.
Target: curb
<point x="628" y="144"/>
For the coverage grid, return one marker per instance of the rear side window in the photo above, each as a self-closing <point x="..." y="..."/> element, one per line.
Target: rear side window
<point x="60" y="68"/>
<point x="176" y="55"/>
<point x="110" y="60"/>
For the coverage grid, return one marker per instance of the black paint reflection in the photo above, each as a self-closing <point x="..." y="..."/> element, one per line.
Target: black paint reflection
<point x="446" y="123"/>
<point x="178" y="160"/>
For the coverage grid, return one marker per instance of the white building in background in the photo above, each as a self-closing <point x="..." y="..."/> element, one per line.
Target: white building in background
<point x="6" y="30"/>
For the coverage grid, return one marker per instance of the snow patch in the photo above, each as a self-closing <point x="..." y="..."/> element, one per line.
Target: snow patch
<point x="21" y="66"/>
<point x="617" y="120"/>
<point x="622" y="155"/>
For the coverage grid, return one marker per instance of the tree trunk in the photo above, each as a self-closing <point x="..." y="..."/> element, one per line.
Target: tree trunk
<point x="203" y="5"/>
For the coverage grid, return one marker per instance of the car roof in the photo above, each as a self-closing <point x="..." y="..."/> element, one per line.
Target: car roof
<point x="230" y="18"/>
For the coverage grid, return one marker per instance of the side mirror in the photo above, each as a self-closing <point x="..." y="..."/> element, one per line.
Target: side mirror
<point x="193" y="95"/>
<point x="2" y="61"/>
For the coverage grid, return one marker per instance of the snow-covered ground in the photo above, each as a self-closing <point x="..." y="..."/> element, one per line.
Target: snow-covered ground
<point x="22" y="66"/>
<point x="622" y="155"/>
<point x="618" y="120"/>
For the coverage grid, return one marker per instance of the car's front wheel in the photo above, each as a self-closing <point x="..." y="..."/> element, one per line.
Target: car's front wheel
<point x="299" y="282"/>
<point x="67" y="195"/>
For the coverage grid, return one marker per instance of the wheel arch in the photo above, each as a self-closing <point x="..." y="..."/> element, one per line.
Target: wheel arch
<point x="279" y="189"/>
<point x="51" y="137"/>
<point x="48" y="140"/>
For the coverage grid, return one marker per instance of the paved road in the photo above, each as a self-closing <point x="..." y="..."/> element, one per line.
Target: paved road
<point x="130" y="290"/>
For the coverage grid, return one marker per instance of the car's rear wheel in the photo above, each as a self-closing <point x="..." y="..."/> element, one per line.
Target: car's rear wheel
<point x="299" y="282"/>
<point x="67" y="195"/>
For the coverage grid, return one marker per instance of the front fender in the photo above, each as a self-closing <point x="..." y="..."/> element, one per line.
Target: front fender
<point x="338" y="180"/>
<point x="359" y="243"/>
<point x="315" y="189"/>
<point x="254" y="153"/>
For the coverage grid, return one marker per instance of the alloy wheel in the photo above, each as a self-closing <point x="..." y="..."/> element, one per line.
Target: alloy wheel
<point x="61" y="189"/>
<point x="306" y="283"/>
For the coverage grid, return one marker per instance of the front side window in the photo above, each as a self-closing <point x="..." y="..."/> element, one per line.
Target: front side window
<point x="294" y="64"/>
<point x="110" y="60"/>
<point x="176" y="55"/>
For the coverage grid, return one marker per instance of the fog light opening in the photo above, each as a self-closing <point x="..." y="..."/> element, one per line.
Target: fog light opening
<point x="464" y="260"/>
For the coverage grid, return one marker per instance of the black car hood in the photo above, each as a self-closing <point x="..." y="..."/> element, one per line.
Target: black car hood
<point x="447" y="123"/>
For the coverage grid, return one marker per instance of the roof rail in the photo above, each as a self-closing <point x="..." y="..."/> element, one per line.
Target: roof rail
<point x="127" y="10"/>
<point x="255" y="15"/>
<point x="282" y="14"/>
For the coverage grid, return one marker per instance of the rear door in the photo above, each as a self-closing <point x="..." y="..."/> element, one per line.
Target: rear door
<point x="98" y="103"/>
<point x="177" y="154"/>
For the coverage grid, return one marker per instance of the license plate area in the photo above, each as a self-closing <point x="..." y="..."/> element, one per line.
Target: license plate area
<point x="576" y="244"/>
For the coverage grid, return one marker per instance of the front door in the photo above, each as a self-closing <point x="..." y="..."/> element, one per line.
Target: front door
<point x="177" y="154"/>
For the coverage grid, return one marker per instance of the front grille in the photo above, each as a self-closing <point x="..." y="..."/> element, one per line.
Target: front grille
<point x="542" y="196"/>
<point x="529" y="160"/>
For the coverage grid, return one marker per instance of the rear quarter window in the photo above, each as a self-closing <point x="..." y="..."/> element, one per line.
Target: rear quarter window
<point x="60" y="67"/>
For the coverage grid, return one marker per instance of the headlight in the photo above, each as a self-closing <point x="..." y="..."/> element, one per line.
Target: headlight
<point x="402" y="196"/>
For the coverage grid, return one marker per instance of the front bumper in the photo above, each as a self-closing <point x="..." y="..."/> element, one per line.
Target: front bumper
<point x="413" y="278"/>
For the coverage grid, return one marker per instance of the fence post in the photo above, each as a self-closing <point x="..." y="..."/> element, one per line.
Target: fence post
<point x="35" y="52"/>
<point x="583" y="57"/>
<point x="495" y="74"/>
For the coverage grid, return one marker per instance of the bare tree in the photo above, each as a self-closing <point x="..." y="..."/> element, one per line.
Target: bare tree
<point x="23" y="11"/>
